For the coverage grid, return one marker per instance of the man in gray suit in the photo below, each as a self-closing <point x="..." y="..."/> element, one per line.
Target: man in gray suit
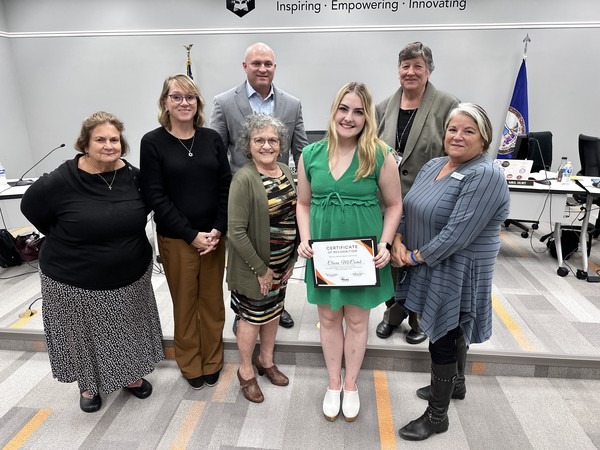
<point x="258" y="95"/>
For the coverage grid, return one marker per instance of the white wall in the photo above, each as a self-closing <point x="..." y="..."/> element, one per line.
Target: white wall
<point x="15" y="150"/>
<point x="62" y="60"/>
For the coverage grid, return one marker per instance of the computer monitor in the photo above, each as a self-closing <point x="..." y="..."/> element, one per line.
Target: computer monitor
<point x="537" y="146"/>
<point x="521" y="150"/>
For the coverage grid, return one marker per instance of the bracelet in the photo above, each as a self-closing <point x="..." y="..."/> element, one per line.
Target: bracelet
<point x="415" y="260"/>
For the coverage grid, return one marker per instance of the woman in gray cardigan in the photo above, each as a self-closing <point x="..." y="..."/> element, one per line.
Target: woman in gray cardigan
<point x="262" y="251"/>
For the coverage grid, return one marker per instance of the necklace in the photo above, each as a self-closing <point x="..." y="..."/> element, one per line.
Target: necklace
<point x="399" y="139"/>
<point x="112" y="181"/>
<point x="189" y="150"/>
<point x="110" y="185"/>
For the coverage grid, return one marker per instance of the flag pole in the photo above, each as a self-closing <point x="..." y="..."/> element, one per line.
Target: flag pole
<point x="527" y="40"/>
<point x="188" y="65"/>
<point x="517" y="117"/>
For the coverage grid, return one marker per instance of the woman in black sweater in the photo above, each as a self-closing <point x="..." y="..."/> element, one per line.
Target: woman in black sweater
<point x="185" y="179"/>
<point x="100" y="317"/>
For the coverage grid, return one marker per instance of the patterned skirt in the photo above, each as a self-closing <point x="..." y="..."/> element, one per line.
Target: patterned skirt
<point x="261" y="311"/>
<point x="103" y="339"/>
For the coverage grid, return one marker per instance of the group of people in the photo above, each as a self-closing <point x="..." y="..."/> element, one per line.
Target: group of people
<point x="411" y="171"/>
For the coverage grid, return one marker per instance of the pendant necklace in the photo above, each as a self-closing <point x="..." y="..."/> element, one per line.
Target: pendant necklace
<point x="112" y="181"/>
<point x="189" y="150"/>
<point x="110" y="185"/>
<point x="399" y="139"/>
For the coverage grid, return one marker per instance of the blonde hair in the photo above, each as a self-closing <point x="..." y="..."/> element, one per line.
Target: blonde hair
<point x="189" y="87"/>
<point x="368" y="142"/>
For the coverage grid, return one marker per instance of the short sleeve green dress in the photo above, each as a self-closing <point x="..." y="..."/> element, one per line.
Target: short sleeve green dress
<point x="339" y="209"/>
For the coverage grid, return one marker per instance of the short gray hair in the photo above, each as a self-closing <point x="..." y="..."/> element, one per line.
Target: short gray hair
<point x="481" y="118"/>
<point x="260" y="121"/>
<point x="414" y="50"/>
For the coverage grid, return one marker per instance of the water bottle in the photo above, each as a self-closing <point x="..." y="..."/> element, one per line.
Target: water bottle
<point x="3" y="181"/>
<point x="566" y="173"/>
<point x="559" y="172"/>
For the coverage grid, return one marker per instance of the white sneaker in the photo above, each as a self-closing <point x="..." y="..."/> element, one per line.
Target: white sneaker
<point x="351" y="405"/>
<point x="331" y="404"/>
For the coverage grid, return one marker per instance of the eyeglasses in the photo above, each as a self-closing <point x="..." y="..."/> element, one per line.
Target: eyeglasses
<point x="178" y="98"/>
<point x="273" y="142"/>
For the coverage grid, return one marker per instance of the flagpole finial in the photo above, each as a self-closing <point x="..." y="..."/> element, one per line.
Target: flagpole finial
<point x="527" y="40"/>
<point x="188" y="65"/>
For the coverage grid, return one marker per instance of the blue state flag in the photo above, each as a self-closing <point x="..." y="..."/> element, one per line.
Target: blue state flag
<point x="517" y="118"/>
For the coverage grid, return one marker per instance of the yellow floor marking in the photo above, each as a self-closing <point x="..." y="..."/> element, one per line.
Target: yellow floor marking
<point x="26" y="432"/>
<point x="227" y="377"/>
<point x="387" y="434"/>
<point x="514" y="247"/>
<point x="188" y="426"/>
<point x="478" y="368"/>
<point x="22" y="321"/>
<point x="511" y="325"/>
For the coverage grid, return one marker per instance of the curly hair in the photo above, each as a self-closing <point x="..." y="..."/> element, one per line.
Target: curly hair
<point x="259" y="121"/>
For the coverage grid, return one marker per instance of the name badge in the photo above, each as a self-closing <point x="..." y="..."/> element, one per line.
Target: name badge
<point x="398" y="160"/>
<point x="458" y="176"/>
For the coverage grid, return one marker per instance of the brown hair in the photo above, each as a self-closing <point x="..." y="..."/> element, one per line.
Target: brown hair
<point x="91" y="122"/>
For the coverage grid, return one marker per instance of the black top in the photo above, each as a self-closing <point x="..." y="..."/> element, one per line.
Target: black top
<point x="187" y="193"/>
<point x="95" y="237"/>
<point x="405" y="121"/>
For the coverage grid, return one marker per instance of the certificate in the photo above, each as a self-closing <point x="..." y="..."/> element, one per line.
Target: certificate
<point x="345" y="262"/>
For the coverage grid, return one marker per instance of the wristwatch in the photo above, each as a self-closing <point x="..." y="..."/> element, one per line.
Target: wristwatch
<point x="387" y="246"/>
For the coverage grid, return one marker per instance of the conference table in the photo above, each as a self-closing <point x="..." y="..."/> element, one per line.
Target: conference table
<point x="10" y="206"/>
<point x="548" y="202"/>
<point x="587" y="183"/>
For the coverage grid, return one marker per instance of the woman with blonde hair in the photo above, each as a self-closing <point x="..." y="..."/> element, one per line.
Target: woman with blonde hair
<point x="339" y="179"/>
<point x="185" y="178"/>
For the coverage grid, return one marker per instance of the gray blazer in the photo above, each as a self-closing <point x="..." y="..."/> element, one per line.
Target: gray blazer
<point x="425" y="140"/>
<point x="231" y="108"/>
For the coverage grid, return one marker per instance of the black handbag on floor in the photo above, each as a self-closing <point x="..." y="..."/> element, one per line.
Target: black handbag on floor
<point x="8" y="251"/>
<point x="29" y="246"/>
<point x="569" y="243"/>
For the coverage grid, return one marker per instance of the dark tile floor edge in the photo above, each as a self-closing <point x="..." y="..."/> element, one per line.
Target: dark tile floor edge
<point x="379" y="357"/>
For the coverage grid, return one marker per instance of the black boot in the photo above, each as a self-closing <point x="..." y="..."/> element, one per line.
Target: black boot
<point x="460" y="388"/>
<point x="435" y="418"/>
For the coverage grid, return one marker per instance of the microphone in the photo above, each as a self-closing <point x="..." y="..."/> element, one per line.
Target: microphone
<point x="546" y="181"/>
<point x="21" y="181"/>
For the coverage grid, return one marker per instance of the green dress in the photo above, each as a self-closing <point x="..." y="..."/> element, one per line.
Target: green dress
<point x="342" y="209"/>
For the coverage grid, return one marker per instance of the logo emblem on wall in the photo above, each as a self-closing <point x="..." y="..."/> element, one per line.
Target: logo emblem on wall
<point x="240" y="7"/>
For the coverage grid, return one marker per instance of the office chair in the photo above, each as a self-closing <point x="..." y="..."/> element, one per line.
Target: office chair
<point x="535" y="146"/>
<point x="589" y="157"/>
<point x="315" y="135"/>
